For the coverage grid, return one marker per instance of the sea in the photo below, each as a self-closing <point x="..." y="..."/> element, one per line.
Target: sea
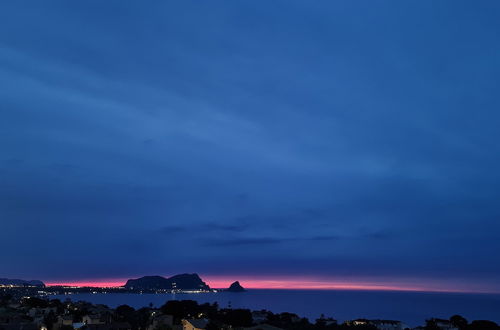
<point x="413" y="308"/>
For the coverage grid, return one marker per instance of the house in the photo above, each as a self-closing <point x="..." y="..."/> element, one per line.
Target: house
<point x="93" y="319"/>
<point x="387" y="324"/>
<point x="263" y="327"/>
<point x="110" y="326"/>
<point x="39" y="320"/>
<point x="35" y="312"/>
<point x="356" y="322"/>
<point x="260" y="316"/>
<point x="194" y="324"/>
<point x="7" y="317"/>
<point x="161" y="320"/>
<point x="327" y="321"/>
<point x="379" y="324"/>
<point x="330" y="321"/>
<point x="19" y="326"/>
<point x="64" y="320"/>
<point x="99" y="309"/>
<point x="442" y="324"/>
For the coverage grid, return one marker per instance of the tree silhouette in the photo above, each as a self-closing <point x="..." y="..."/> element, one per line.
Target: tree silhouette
<point x="459" y="322"/>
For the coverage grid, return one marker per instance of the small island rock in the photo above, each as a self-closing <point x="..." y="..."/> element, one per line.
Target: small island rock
<point x="236" y="287"/>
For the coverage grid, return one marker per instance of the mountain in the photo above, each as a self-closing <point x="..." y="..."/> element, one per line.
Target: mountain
<point x="180" y="282"/>
<point x="8" y="281"/>
<point x="236" y="287"/>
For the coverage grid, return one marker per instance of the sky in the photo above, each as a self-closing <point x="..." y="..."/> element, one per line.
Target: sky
<point x="280" y="143"/>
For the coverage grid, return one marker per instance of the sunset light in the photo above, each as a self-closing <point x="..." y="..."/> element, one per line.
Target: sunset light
<point x="273" y="164"/>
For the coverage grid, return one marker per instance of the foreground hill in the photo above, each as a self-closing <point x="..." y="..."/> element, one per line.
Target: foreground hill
<point x="17" y="282"/>
<point x="180" y="282"/>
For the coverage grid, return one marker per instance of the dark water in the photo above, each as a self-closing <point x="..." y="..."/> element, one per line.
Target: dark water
<point x="410" y="307"/>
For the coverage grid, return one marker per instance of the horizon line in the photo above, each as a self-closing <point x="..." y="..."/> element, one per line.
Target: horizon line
<point x="301" y="283"/>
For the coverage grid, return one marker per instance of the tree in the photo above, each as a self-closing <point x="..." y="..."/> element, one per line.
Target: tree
<point x="236" y="317"/>
<point x="142" y="317"/>
<point x="4" y="299"/>
<point x="213" y="326"/>
<point x="65" y="327"/>
<point x="124" y="310"/>
<point x="483" y="325"/>
<point x="180" y="309"/>
<point x="125" y="313"/>
<point x="49" y="320"/>
<point x="459" y="322"/>
<point x="34" y="302"/>
<point x="431" y="325"/>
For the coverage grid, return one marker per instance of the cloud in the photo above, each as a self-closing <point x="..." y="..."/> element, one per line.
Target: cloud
<point x="244" y="242"/>
<point x="236" y="240"/>
<point x="321" y="144"/>
<point x="204" y="227"/>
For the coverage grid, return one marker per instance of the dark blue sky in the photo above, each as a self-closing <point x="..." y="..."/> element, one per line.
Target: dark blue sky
<point x="323" y="139"/>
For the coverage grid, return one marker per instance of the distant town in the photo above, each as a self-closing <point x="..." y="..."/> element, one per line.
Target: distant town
<point x="182" y="283"/>
<point x="26" y="305"/>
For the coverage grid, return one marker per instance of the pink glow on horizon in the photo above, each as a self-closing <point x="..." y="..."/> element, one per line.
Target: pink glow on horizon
<point x="297" y="283"/>
<point x="310" y="283"/>
<point x="89" y="283"/>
